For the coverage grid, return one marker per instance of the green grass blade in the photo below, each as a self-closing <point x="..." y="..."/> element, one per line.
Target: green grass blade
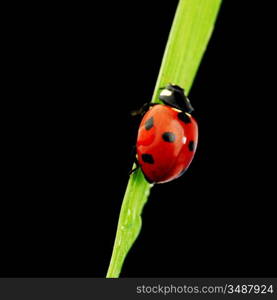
<point x="192" y="27"/>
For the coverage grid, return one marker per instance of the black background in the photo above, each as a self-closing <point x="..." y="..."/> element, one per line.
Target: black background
<point x="74" y="74"/>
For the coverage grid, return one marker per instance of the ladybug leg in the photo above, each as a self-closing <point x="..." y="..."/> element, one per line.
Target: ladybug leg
<point x="135" y="160"/>
<point x="133" y="170"/>
<point x="136" y="167"/>
<point x="142" y="110"/>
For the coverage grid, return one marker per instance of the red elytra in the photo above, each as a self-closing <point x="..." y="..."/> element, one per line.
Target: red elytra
<point x="166" y="143"/>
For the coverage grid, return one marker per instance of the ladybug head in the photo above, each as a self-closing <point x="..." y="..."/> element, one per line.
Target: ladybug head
<point x="174" y="95"/>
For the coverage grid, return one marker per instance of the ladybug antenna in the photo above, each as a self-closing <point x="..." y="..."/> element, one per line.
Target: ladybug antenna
<point x="173" y="95"/>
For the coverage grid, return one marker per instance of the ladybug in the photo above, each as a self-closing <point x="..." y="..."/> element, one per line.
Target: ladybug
<point x="167" y="137"/>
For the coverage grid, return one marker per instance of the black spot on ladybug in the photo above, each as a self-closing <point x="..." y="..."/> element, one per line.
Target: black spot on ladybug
<point x="149" y="123"/>
<point x="147" y="158"/>
<point x="184" y="117"/>
<point x="168" y="137"/>
<point x="191" y="146"/>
